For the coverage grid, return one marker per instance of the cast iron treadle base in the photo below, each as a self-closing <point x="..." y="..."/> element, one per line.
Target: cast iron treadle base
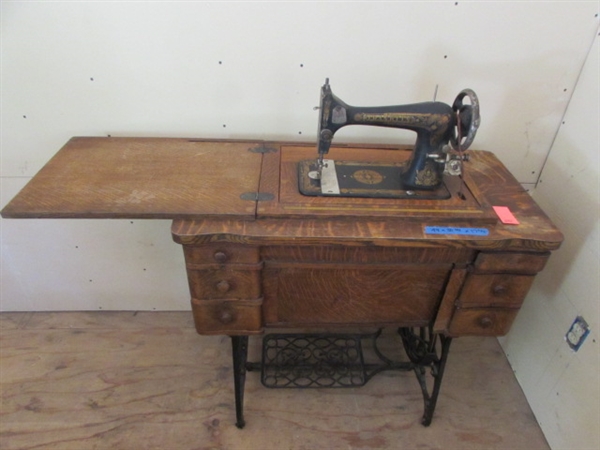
<point x="312" y="361"/>
<point x="336" y="360"/>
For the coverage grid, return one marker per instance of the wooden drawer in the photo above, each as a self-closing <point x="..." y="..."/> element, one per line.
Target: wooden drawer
<point x="225" y="282"/>
<point x="333" y="294"/>
<point x="511" y="262"/>
<point x="482" y="321"/>
<point x="497" y="290"/>
<point x="220" y="253"/>
<point x="367" y="255"/>
<point x="232" y="317"/>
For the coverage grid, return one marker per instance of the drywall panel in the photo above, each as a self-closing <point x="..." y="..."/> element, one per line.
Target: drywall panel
<point x="563" y="386"/>
<point x="254" y="69"/>
<point x="57" y="264"/>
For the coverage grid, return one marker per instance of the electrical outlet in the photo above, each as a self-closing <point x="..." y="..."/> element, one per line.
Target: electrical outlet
<point x="577" y="333"/>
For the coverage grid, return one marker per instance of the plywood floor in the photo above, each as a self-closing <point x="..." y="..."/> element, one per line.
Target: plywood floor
<point x="124" y="380"/>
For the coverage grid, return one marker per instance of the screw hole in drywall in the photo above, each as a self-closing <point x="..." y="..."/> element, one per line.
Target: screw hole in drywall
<point x="445" y="56"/>
<point x="224" y="126"/>
<point x="220" y="62"/>
<point x="24" y="117"/>
<point x="299" y="132"/>
<point x="301" y="65"/>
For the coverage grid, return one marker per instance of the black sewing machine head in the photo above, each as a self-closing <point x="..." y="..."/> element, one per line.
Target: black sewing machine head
<point x="443" y="133"/>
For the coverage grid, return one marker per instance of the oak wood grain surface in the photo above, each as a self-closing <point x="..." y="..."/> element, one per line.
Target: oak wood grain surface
<point x="142" y="178"/>
<point x="316" y="221"/>
<point x="282" y="167"/>
<point x="202" y="180"/>
<point x="336" y="295"/>
<point x="387" y="233"/>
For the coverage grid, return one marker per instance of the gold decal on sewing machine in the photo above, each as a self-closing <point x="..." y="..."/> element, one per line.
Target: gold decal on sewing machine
<point x="427" y="176"/>
<point x="366" y="176"/>
<point x="416" y="120"/>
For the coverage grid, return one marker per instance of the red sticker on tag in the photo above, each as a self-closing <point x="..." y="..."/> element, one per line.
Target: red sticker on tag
<point x="505" y="215"/>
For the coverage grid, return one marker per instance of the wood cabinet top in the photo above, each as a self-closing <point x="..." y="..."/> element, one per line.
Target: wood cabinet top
<point x="219" y="189"/>
<point x="146" y="178"/>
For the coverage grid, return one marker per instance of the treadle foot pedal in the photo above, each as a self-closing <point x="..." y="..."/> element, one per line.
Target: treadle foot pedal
<point x="312" y="361"/>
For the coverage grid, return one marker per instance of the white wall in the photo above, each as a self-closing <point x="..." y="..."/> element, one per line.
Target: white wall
<point x="253" y="70"/>
<point x="563" y="386"/>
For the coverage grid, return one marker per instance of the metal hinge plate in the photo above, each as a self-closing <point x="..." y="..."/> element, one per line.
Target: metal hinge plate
<point x="257" y="196"/>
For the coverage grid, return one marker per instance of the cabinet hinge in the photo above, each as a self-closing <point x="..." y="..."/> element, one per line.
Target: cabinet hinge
<point x="257" y="196"/>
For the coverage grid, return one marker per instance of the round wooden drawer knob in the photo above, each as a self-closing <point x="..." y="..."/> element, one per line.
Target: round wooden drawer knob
<point x="486" y="322"/>
<point x="220" y="256"/>
<point x="226" y="316"/>
<point x="223" y="286"/>
<point x="499" y="290"/>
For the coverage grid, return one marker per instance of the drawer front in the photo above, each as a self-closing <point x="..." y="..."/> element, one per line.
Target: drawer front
<point x="482" y="321"/>
<point x="232" y="317"/>
<point x="407" y="295"/>
<point x="224" y="283"/>
<point x="498" y="290"/>
<point x="220" y="253"/>
<point x="511" y="262"/>
<point x="369" y="255"/>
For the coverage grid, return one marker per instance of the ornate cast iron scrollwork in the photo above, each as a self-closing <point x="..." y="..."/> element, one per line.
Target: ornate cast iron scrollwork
<point x="421" y="346"/>
<point x="337" y="360"/>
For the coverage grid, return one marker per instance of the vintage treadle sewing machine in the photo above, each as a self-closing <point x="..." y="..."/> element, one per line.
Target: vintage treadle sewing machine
<point x="443" y="133"/>
<point x="372" y="236"/>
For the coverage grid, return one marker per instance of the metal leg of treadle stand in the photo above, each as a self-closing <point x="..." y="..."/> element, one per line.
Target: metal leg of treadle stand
<point x="239" y="349"/>
<point x="438" y="373"/>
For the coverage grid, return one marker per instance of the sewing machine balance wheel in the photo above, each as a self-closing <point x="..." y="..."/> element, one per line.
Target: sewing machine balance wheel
<point x="467" y="122"/>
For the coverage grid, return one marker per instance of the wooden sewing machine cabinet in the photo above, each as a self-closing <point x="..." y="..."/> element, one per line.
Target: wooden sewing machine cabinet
<point x="259" y="255"/>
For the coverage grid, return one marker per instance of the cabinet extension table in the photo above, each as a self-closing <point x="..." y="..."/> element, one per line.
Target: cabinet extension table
<point x="259" y="255"/>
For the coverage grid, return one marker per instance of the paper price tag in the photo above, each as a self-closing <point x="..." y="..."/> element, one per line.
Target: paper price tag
<point x="505" y="215"/>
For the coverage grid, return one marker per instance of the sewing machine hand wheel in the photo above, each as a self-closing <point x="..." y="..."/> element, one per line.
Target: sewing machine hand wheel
<point x="468" y="120"/>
